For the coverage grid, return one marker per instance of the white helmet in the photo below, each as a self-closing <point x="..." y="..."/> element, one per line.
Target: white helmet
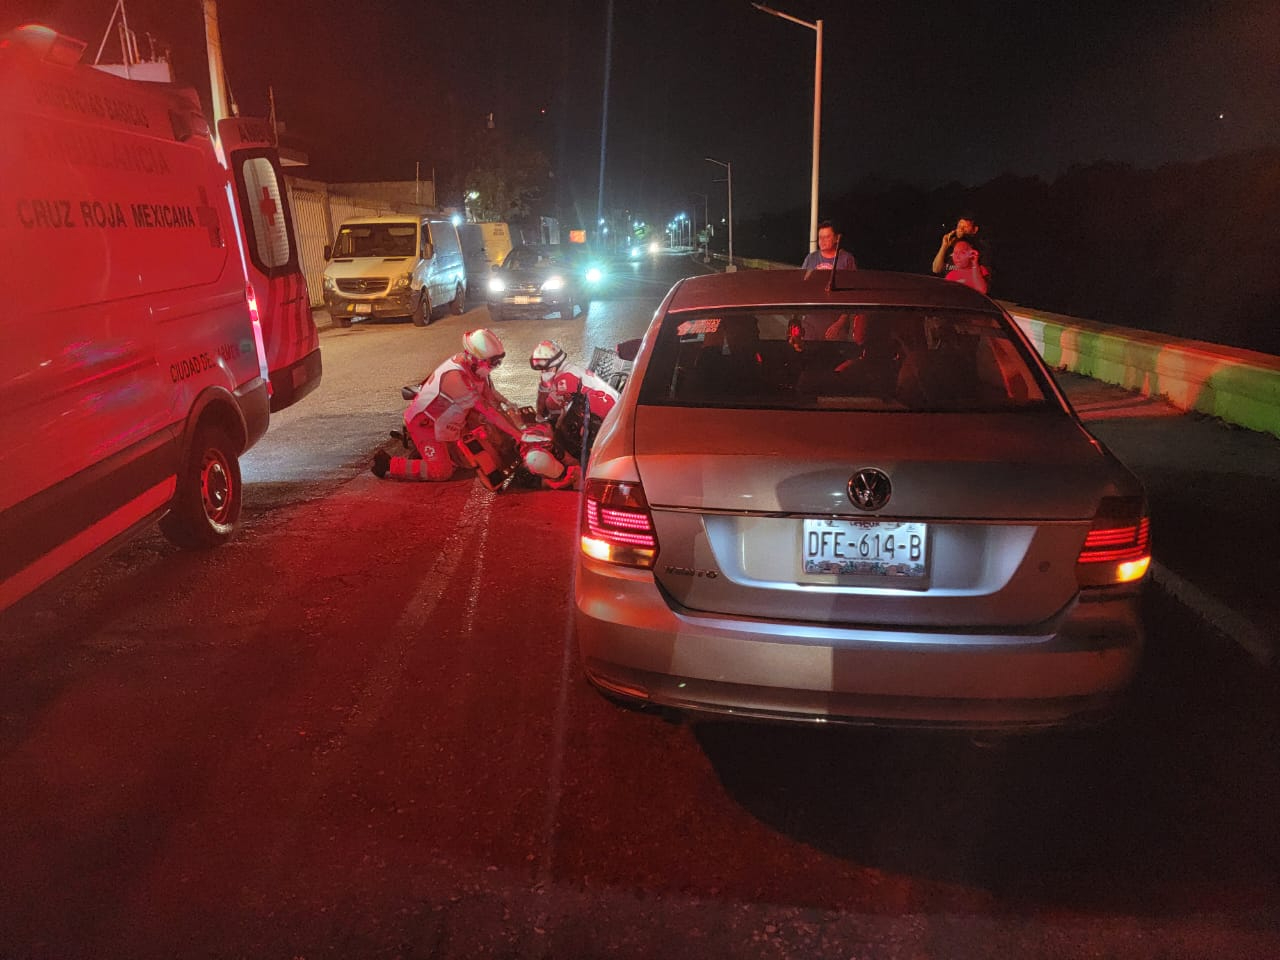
<point x="547" y="356"/>
<point x="483" y="346"/>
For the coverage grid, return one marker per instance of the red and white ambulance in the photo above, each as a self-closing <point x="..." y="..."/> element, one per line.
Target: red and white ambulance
<point x="146" y="320"/>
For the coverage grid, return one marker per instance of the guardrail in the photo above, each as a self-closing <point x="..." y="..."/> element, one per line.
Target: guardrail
<point x="1238" y="386"/>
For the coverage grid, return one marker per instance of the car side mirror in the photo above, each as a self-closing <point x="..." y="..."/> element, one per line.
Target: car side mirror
<point x="328" y="252"/>
<point x="428" y="250"/>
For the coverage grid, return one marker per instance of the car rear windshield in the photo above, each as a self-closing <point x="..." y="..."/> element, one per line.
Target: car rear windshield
<point x="842" y="358"/>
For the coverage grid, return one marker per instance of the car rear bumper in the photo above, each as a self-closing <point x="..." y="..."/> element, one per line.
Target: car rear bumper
<point x="634" y="644"/>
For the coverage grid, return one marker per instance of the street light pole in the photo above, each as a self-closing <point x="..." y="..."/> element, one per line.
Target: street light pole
<point x="728" y="166"/>
<point x="706" y="222"/>
<point x="816" y="27"/>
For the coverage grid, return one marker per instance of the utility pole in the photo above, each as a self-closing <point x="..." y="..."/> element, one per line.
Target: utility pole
<point x="217" y="74"/>
<point x="604" y="107"/>
<point x="728" y="166"/>
<point x="816" y="27"/>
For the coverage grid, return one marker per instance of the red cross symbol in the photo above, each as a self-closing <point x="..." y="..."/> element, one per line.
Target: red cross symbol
<point x="268" y="208"/>
<point x="207" y="217"/>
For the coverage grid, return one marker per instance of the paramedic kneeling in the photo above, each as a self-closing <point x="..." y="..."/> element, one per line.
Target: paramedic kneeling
<point x="438" y="416"/>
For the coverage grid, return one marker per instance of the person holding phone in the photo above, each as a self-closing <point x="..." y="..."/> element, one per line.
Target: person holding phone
<point x="966" y="229"/>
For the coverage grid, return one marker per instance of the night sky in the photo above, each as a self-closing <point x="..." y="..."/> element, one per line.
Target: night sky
<point x="922" y="92"/>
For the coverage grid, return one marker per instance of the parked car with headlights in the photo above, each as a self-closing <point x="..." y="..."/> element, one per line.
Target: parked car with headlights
<point x="855" y="497"/>
<point x="540" y="279"/>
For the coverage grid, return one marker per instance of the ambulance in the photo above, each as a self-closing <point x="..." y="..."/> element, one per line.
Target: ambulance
<point x="274" y="269"/>
<point x="149" y="328"/>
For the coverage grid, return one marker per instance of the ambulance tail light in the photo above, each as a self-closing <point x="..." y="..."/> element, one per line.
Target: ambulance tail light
<point x="617" y="526"/>
<point x="258" y="342"/>
<point x="1117" y="549"/>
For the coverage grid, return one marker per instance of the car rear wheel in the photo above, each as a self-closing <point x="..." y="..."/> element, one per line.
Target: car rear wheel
<point x="206" y="506"/>
<point x="458" y="304"/>
<point x="422" y="312"/>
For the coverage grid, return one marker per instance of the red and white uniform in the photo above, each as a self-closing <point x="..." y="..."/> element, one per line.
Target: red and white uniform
<point x="557" y="387"/>
<point x="451" y="404"/>
<point x="438" y="416"/>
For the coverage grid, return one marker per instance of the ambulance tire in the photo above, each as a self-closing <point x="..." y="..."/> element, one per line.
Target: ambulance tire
<point x="343" y="322"/>
<point x="458" y="305"/>
<point x="206" y="506"/>
<point x="422" y="312"/>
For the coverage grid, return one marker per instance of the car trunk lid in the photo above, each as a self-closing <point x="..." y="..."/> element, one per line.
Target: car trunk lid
<point x="1001" y="501"/>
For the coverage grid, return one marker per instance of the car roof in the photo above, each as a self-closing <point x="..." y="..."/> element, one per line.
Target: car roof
<point x="762" y="288"/>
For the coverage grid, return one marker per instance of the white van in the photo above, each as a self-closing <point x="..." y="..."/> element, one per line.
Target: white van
<point x="133" y="372"/>
<point x="496" y="240"/>
<point x="394" y="266"/>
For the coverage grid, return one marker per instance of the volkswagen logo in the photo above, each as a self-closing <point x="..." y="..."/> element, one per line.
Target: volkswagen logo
<point x="869" y="489"/>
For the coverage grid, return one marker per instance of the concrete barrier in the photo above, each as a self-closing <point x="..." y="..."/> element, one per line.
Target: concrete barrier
<point x="1238" y="386"/>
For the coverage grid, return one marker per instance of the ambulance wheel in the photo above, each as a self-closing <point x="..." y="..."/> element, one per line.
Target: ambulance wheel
<point x="344" y="322"/>
<point x="422" y="312"/>
<point x="458" y="304"/>
<point x="206" y="506"/>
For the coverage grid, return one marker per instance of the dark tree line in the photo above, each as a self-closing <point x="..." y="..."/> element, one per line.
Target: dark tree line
<point x="1186" y="249"/>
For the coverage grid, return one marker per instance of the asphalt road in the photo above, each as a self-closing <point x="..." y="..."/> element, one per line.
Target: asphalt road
<point x="359" y="730"/>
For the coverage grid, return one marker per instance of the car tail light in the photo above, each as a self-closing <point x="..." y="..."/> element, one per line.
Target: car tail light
<point x="617" y="526"/>
<point x="1117" y="548"/>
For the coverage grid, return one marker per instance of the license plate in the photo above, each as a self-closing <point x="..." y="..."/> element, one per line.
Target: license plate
<point x="364" y="308"/>
<point x="865" y="548"/>
<point x="526" y="299"/>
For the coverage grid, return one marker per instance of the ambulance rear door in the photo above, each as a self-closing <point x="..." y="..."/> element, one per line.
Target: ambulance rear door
<point x="271" y="259"/>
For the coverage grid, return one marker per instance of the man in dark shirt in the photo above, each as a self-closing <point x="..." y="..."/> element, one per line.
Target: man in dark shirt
<point x="967" y="230"/>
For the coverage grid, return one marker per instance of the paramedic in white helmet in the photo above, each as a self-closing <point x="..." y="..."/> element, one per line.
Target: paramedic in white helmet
<point x="559" y="380"/>
<point x="438" y="416"/>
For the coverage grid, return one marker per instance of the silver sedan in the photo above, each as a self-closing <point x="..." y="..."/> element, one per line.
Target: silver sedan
<point x="855" y="497"/>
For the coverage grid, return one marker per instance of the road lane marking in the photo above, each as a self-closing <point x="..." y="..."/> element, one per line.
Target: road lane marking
<point x="560" y="726"/>
<point x="1218" y="615"/>
<point x="382" y="680"/>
